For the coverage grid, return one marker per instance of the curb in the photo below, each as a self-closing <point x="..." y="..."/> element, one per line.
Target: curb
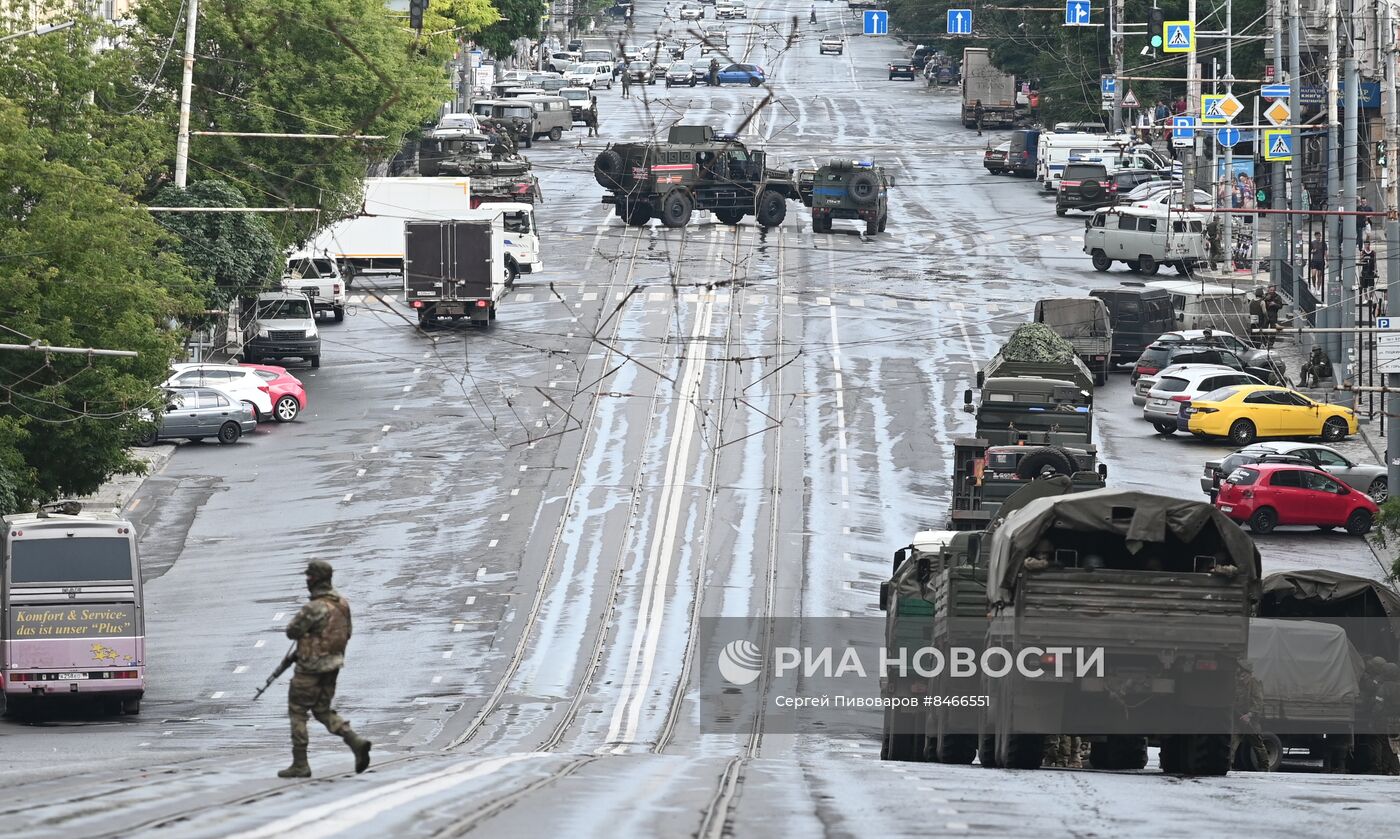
<point x="116" y="493"/>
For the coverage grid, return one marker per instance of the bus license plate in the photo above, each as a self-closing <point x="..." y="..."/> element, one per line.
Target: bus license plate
<point x="67" y="677"/>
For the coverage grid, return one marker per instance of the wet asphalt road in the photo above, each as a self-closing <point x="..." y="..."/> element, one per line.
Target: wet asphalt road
<point x="531" y="521"/>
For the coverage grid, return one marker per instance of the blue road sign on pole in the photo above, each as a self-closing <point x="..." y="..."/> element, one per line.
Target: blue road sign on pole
<point x="1183" y="130"/>
<point x="1108" y="85"/>
<point x="1227" y="137"/>
<point x="959" y="21"/>
<point x="877" y="22"/>
<point x="1077" y="12"/>
<point x="1275" y="91"/>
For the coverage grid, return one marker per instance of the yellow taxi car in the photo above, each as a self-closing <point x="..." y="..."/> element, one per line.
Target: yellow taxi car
<point x="1245" y="413"/>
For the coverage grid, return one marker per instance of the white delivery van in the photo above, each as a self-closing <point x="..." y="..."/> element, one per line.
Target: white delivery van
<point x="1144" y="240"/>
<point x="1201" y="305"/>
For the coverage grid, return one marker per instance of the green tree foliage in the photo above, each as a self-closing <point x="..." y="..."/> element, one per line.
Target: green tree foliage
<point x="1064" y="63"/>
<point x="228" y="252"/>
<point x="298" y="66"/>
<point x="80" y="265"/>
<point x="1387" y="531"/>
<point x="522" y="20"/>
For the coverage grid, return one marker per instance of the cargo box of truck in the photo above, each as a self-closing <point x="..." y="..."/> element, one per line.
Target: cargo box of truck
<point x="454" y="269"/>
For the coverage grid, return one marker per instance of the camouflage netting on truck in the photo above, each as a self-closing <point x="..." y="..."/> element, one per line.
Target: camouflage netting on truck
<point x="1039" y="343"/>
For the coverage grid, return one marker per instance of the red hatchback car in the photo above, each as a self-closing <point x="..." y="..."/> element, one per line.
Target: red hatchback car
<point x="1265" y="495"/>
<point x="288" y="394"/>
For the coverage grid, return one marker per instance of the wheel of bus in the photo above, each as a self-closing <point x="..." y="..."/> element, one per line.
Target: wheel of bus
<point x="1166" y="429"/>
<point x="556" y="133"/>
<point x="1101" y="261"/>
<point x="131" y="706"/>
<point x="339" y="313"/>
<point x="1147" y="265"/>
<point x="229" y="432"/>
<point x="729" y="216"/>
<point x="676" y="208"/>
<point x="771" y="208"/>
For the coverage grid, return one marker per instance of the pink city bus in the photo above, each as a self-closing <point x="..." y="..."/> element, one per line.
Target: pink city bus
<point x="73" y="620"/>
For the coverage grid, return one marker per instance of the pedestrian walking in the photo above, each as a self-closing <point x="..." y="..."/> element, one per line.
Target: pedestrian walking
<point x="1317" y="262"/>
<point x="1363" y="222"/>
<point x="626" y="84"/>
<point x="590" y="118"/>
<point x="321" y="631"/>
<point x="977" y="115"/>
<point x="714" y="72"/>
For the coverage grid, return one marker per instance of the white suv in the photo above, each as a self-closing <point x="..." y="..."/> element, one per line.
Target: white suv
<point x="242" y="383"/>
<point x="1182" y="383"/>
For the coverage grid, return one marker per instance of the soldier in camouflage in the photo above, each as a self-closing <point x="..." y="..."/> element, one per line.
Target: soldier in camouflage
<point x="1249" y="710"/>
<point x="321" y="630"/>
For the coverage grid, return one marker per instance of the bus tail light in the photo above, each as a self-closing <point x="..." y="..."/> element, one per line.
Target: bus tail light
<point x="125" y="674"/>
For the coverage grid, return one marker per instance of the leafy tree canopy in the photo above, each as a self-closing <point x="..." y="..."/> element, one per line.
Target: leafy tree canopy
<point x="228" y="252"/>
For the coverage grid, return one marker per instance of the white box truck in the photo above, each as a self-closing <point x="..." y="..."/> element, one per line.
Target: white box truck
<point x="981" y="82"/>
<point x="372" y="243"/>
<point x="454" y="269"/>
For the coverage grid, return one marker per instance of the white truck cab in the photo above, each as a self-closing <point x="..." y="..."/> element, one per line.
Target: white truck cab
<point x="318" y="277"/>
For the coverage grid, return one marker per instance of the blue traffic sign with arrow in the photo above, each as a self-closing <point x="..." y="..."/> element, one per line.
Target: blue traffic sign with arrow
<point x="1227" y="137"/>
<point x="1077" y="12"/>
<point x="959" y="21"/>
<point x="877" y="22"/>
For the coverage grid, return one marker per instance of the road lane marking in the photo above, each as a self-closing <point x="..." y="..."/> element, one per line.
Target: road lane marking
<point x="437" y="680"/>
<point x="645" y="639"/>
<point x="493" y="543"/>
<point x="242" y="668"/>
<point x="505" y="517"/>
<point x="472" y="598"/>
<point x="406" y="389"/>
<point x="349" y="495"/>
<point x="359" y="473"/>
<point x="385" y="429"/>
<point x="346" y="814"/>
<point x="258" y="643"/>
<point x="279" y="616"/>
<point x="515" y="491"/>
<point x="457" y="627"/>
<point x="524" y="298"/>
<point x="447" y="654"/>
<point x="218" y="694"/>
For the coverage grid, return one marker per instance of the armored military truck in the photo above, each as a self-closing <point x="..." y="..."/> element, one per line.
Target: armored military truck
<point x="1133" y="611"/>
<point x="846" y="189"/>
<point x="695" y="169"/>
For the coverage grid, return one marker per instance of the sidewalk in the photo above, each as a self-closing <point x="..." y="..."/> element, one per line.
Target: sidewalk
<point x="114" y="495"/>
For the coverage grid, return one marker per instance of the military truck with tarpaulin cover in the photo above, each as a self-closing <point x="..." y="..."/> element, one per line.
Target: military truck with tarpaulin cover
<point x="1151" y="597"/>
<point x="695" y="169"/>
<point x="846" y="189"/>
<point x="985" y="477"/>
<point x="1084" y="323"/>
<point x="1368" y="611"/>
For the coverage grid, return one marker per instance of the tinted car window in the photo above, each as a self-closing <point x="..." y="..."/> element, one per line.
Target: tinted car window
<point x="1195" y="357"/>
<point x="1218" y="395"/>
<point x="1328" y="458"/>
<point x="1287" y="478"/>
<point x="1081" y="171"/>
<point x="1153" y="356"/>
<point x="1243" y="477"/>
<point x="1262" y="398"/>
<point x="1313" y="480"/>
<point x="266" y="375"/>
<point x="1171" y="384"/>
<point x="1127" y="222"/>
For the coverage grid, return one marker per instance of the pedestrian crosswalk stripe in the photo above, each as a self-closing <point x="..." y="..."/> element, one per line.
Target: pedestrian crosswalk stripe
<point x="524" y="298"/>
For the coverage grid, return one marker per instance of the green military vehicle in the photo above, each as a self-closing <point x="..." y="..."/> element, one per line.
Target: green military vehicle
<point x="846" y="189"/>
<point x="1137" y="607"/>
<point x="908" y="622"/>
<point x="695" y="169"/>
<point x="985" y="477"/>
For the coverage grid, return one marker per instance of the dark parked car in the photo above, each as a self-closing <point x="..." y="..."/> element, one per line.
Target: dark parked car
<point x="994" y="159"/>
<point x="1088" y="186"/>
<point x="197" y="412"/>
<point x="903" y="70"/>
<point x="1021" y="157"/>
<point x="1138" y="314"/>
<point x="1163" y="354"/>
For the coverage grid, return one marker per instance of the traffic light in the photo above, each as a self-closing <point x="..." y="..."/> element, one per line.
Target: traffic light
<point x="1380" y="153"/>
<point x="416" y="8"/>
<point x="1156" y="23"/>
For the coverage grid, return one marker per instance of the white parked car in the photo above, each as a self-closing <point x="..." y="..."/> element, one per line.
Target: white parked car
<point x="560" y="62"/>
<point x="590" y="75"/>
<point x="1182" y="383"/>
<point x="242" y="383"/>
<point x="692" y="13"/>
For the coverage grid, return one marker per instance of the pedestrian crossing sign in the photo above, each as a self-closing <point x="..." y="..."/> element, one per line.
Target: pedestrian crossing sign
<point x="1278" y="145"/>
<point x="1219" y="108"/>
<point x="1178" y="36"/>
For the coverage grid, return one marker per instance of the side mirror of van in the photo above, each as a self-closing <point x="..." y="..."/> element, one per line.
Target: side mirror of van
<point x="1103" y="471"/>
<point x="981" y="378"/>
<point x="967" y="400"/>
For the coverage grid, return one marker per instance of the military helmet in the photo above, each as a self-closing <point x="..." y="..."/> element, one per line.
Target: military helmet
<point x="1391" y="671"/>
<point x="319" y="569"/>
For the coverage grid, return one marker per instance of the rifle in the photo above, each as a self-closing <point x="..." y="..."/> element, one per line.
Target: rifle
<point x="287" y="661"/>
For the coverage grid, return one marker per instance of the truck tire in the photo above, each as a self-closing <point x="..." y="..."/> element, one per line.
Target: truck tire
<point x="1147" y="266"/>
<point x="1101" y="261"/>
<point x="1169" y="756"/>
<point x="987" y="752"/>
<point x="608" y="169"/>
<point x="957" y="748"/>
<point x="339" y="313"/>
<point x="315" y="361"/>
<point x="821" y="223"/>
<point x="1365" y="758"/>
<point x="1119" y="751"/>
<point x="863" y="188"/>
<point x="770" y="209"/>
<point x="1205" y="754"/>
<point x="1024" y="751"/>
<point x="729" y="216"/>
<point x="556" y="133"/>
<point x="676" y="208"/>
<point x="638" y="215"/>
<point x="884" y="220"/>
<point x="1039" y="461"/>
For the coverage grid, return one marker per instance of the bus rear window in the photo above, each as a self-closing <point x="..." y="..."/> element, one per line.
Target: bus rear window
<point x="75" y="560"/>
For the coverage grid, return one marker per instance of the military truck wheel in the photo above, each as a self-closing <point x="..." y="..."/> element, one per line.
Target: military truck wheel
<point x="1101" y="261"/>
<point x="1024" y="751"/>
<point x="1119" y="752"/>
<point x="1044" y="460"/>
<point x="863" y="188"/>
<point x="771" y="208"/>
<point x="1169" y="756"/>
<point x="1365" y="758"/>
<point x="821" y="223"/>
<point x="638" y="215"/>
<point x="957" y="748"/>
<point x="872" y="226"/>
<point x="1263" y="521"/>
<point x="1147" y="265"/>
<point x="556" y="133"/>
<point x="729" y="216"/>
<point x="906" y="746"/>
<point x="608" y="169"/>
<point x="676" y="208"/>
<point x="987" y="752"/>
<point x="884" y="220"/>
<point x="1205" y="754"/>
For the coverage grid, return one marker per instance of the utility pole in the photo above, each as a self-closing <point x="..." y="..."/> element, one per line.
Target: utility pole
<point x="1115" y="34"/>
<point x="1346" y="314"/>
<point x="182" y="140"/>
<point x="1228" y="226"/>
<point x="1392" y="230"/>
<point x="1333" y="279"/>
<point x="1193" y="106"/>
<point x="1277" y="188"/>
<point x="1295" y="97"/>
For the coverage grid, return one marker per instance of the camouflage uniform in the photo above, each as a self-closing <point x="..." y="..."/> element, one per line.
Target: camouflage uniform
<point x="321" y="630"/>
<point x="1249" y="709"/>
<point x="1064" y="750"/>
